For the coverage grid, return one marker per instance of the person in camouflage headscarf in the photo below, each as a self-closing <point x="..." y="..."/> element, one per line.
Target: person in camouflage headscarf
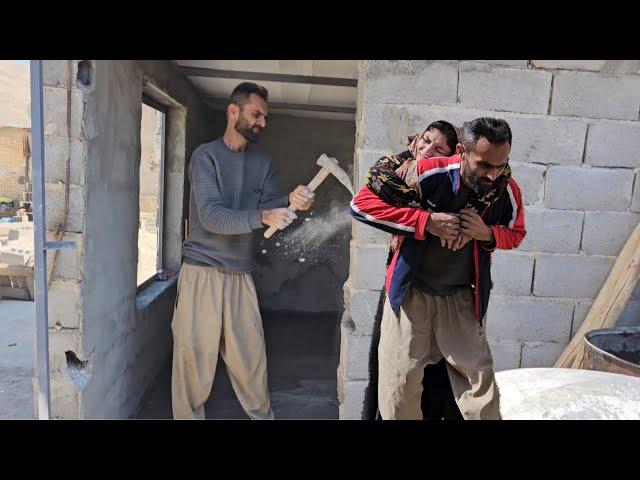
<point x="434" y="205"/>
<point x="393" y="178"/>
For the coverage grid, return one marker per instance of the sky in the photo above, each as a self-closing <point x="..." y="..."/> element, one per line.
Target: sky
<point x="15" y="93"/>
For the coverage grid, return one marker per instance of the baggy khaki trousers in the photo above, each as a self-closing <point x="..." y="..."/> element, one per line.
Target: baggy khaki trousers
<point x="217" y="312"/>
<point x="428" y="328"/>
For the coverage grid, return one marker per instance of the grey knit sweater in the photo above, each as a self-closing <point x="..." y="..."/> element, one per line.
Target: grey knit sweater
<point x="228" y="191"/>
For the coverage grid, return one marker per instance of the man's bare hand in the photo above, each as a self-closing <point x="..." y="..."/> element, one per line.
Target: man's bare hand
<point x="301" y="198"/>
<point x="443" y="225"/>
<point x="471" y="224"/>
<point x="460" y="241"/>
<point x="278" y="217"/>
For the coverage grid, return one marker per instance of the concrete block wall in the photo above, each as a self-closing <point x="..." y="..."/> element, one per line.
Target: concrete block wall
<point x="122" y="337"/>
<point x="64" y="143"/>
<point x="575" y="157"/>
<point x="14" y="161"/>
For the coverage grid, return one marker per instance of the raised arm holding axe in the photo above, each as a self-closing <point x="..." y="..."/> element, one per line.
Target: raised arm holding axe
<point x="301" y="197"/>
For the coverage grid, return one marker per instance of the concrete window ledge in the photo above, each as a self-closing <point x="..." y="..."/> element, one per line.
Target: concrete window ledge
<point x="153" y="291"/>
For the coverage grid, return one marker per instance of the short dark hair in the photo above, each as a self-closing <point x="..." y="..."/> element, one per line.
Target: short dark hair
<point x="243" y="91"/>
<point x="495" y="130"/>
<point x="449" y="132"/>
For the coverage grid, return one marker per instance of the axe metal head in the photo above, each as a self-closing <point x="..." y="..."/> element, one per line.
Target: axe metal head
<point x="333" y="166"/>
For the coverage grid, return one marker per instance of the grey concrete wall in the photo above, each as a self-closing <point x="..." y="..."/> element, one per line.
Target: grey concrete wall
<point x="575" y="156"/>
<point x="122" y="339"/>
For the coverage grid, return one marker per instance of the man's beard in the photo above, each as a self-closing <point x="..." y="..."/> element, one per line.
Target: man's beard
<point x="248" y="132"/>
<point x="479" y="187"/>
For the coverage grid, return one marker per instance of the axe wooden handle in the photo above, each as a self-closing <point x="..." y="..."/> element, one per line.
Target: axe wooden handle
<point x="312" y="185"/>
<point x="318" y="179"/>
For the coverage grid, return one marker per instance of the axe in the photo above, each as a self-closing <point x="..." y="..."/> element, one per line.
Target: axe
<point x="329" y="166"/>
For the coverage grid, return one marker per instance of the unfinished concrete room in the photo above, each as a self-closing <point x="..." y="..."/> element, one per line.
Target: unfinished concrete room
<point x="118" y="136"/>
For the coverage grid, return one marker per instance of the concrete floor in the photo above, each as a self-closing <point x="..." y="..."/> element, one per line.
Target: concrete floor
<point x="17" y="342"/>
<point x="302" y="353"/>
<point x="302" y="358"/>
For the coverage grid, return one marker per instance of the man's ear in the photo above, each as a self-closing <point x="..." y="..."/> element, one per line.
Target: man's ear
<point x="233" y="111"/>
<point x="459" y="149"/>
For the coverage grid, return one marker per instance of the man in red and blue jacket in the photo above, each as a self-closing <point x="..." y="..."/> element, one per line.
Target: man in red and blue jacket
<point x="439" y="280"/>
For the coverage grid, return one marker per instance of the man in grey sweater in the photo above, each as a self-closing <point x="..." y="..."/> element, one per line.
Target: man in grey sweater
<point x="233" y="193"/>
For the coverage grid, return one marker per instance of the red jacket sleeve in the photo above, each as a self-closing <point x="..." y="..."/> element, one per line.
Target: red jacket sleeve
<point x="368" y="208"/>
<point x="511" y="233"/>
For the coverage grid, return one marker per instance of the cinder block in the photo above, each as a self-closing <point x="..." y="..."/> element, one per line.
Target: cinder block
<point x="635" y="296"/>
<point x="410" y="81"/>
<point x="78" y="158"/>
<point x="589" y="65"/>
<point x="77" y="206"/>
<point x="363" y="233"/>
<point x="613" y="144"/>
<point x="383" y="127"/>
<point x="55" y="206"/>
<point x="621" y="67"/>
<point x="570" y="276"/>
<point x="368" y="266"/>
<point x="64" y="398"/>
<point x="68" y="260"/>
<point x="64" y="304"/>
<point x="511" y="273"/>
<point x="530" y="179"/>
<point x="351" y="407"/>
<point x="15" y="256"/>
<point x="363" y="305"/>
<point x="418" y="117"/>
<point x="541" y="354"/>
<point x="54" y="203"/>
<point x="56" y="151"/>
<point x="552" y="231"/>
<point x="547" y="140"/>
<point x="56" y="156"/>
<point x="60" y="342"/>
<point x="605" y="233"/>
<point x="635" y="200"/>
<point x="594" y="95"/>
<point x="576" y="188"/>
<point x="55" y="111"/>
<point x="522" y="319"/>
<point x="55" y="73"/>
<point x="77" y="114"/>
<point x="630" y="317"/>
<point x="506" y="355"/>
<point x="509" y="63"/>
<point x="579" y="314"/>
<point x="501" y="88"/>
<point x="13" y="235"/>
<point x="354" y="355"/>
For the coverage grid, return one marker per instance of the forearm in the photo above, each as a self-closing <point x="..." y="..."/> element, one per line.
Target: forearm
<point x="368" y="208"/>
<point x="277" y="202"/>
<point x="383" y="180"/>
<point x="225" y="221"/>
